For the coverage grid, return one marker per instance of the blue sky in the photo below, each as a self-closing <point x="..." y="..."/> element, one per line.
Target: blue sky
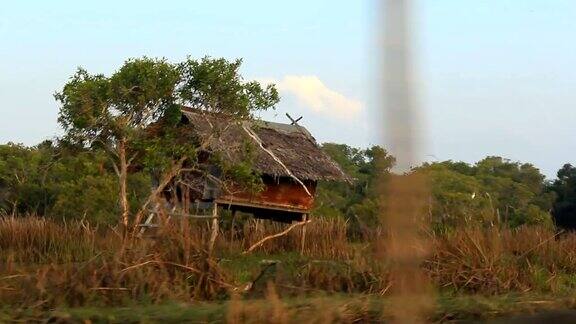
<point x="495" y="77"/>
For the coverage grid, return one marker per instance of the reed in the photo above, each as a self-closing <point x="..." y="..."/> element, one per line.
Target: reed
<point x="46" y="263"/>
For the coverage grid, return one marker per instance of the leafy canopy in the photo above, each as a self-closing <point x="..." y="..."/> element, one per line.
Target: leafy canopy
<point x="494" y="189"/>
<point x="564" y="187"/>
<point x="216" y="85"/>
<point x="95" y="108"/>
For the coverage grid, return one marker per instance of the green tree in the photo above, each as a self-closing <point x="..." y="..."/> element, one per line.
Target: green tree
<point x="216" y="85"/>
<point x="115" y="113"/>
<point x="519" y="189"/>
<point x="359" y="201"/>
<point x="23" y="172"/>
<point x="111" y="112"/>
<point x="59" y="181"/>
<point x="492" y="189"/>
<point x="564" y="187"/>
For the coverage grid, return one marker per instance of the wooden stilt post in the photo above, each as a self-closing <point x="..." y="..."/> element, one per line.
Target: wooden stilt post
<point x="303" y="237"/>
<point x="214" y="233"/>
<point x="185" y="199"/>
<point x="232" y="225"/>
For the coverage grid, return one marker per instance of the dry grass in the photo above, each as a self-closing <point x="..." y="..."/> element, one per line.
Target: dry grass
<point x="43" y="263"/>
<point x="80" y="265"/>
<point x="325" y="238"/>
<point x="493" y="261"/>
<point x="37" y="240"/>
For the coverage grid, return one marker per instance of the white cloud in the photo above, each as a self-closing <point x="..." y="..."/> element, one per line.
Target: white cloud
<point x="312" y="93"/>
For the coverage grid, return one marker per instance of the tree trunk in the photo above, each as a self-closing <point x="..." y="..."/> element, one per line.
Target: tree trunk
<point x="123" y="179"/>
<point x="214" y="233"/>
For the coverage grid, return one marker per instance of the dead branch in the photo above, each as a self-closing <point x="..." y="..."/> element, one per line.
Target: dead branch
<point x="274" y="157"/>
<point x="165" y="181"/>
<point x="138" y="265"/>
<point x="110" y="288"/>
<point x="286" y="231"/>
<point x="186" y="215"/>
<point x="174" y="264"/>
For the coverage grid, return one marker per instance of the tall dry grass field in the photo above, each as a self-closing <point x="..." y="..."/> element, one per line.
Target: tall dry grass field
<point x="325" y="238"/>
<point x="47" y="264"/>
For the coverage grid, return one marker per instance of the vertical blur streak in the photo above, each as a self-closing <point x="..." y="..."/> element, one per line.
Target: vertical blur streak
<point x="404" y="247"/>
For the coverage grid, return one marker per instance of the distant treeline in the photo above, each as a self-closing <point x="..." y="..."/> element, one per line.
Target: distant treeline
<point x="493" y="191"/>
<point x="62" y="181"/>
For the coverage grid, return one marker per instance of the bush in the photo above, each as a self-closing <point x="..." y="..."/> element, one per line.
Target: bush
<point x="64" y="184"/>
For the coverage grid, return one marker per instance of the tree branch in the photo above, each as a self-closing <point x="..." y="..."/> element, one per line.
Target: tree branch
<point x="286" y="231"/>
<point x="176" y="168"/>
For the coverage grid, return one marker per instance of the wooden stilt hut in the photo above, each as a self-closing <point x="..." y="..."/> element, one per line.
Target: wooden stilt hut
<point x="285" y="156"/>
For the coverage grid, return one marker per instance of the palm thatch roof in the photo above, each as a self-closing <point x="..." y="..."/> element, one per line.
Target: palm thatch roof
<point x="278" y="150"/>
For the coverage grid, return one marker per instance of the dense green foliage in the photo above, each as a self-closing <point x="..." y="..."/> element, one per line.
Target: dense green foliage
<point x="216" y="85"/>
<point x="494" y="190"/>
<point x="96" y="108"/>
<point x="67" y="182"/>
<point x="357" y="201"/>
<point x="565" y="206"/>
<point x="63" y="183"/>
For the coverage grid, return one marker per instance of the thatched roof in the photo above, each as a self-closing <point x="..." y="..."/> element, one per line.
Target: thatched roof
<point x="279" y="150"/>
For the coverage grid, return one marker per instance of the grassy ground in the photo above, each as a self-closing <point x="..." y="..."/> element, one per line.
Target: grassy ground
<point x="337" y="308"/>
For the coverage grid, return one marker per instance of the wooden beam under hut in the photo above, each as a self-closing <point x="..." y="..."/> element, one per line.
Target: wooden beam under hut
<point x="303" y="237"/>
